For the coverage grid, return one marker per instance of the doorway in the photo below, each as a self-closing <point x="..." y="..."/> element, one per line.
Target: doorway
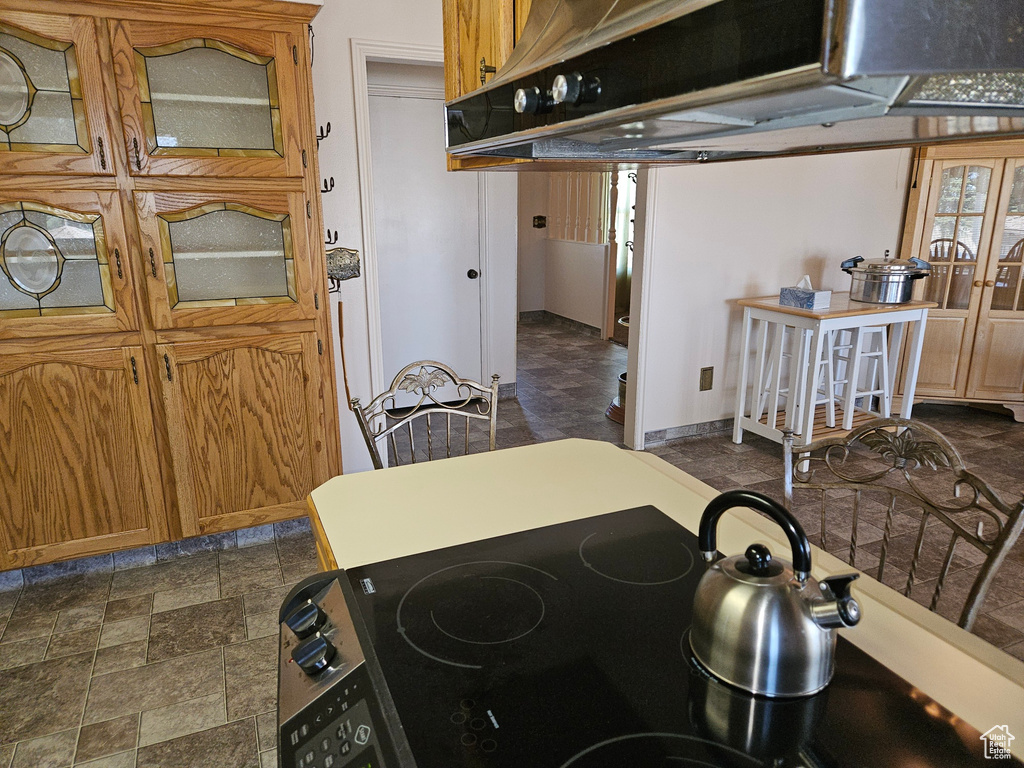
<point x="426" y="222"/>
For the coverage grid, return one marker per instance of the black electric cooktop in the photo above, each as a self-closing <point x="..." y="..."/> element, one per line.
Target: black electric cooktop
<point x="567" y="647"/>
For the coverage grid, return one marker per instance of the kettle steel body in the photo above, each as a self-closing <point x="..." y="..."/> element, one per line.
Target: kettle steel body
<point x="762" y="624"/>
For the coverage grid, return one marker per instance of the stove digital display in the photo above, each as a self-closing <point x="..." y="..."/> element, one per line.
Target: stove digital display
<point x="566" y="647"/>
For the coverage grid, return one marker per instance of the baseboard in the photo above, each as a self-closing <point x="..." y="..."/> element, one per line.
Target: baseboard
<point x="152" y="554"/>
<point x="507" y="391"/>
<point x="658" y="436"/>
<point x="543" y="316"/>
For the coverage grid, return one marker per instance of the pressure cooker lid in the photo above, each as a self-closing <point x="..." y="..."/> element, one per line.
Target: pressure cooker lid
<point x="886" y="266"/>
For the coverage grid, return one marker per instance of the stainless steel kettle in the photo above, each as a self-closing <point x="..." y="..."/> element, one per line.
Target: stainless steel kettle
<point x="760" y="623"/>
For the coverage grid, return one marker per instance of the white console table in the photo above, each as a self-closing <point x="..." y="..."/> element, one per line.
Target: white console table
<point x="842" y="314"/>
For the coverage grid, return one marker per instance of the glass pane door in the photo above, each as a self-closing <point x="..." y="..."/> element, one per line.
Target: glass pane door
<point x="225" y="261"/>
<point x="51" y="117"/>
<point x="1007" y="294"/>
<point x="214" y="102"/>
<point x="956" y="234"/>
<point x="63" y="265"/>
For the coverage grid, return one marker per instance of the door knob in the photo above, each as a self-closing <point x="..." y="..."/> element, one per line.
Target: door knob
<point x="990" y="283"/>
<point x="472" y="274"/>
<point x="978" y="283"/>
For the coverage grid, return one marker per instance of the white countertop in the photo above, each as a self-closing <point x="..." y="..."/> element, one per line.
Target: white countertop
<point x="374" y="516"/>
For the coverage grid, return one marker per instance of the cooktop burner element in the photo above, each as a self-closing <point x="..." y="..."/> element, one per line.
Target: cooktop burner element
<point x="483" y="603"/>
<point x="637" y="558"/>
<point x="559" y="647"/>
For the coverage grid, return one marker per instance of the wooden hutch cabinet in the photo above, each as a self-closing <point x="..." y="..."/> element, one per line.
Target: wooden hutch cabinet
<point x="165" y="357"/>
<point x="966" y="218"/>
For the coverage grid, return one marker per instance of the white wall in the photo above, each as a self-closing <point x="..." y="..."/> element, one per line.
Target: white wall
<point x="574" y="281"/>
<point x="395" y="21"/>
<point x="533" y="201"/>
<point x="719" y="232"/>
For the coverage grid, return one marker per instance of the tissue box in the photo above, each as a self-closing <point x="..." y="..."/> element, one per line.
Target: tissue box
<point x="804" y="298"/>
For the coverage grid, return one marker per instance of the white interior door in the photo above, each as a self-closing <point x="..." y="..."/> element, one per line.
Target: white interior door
<point x="427" y="231"/>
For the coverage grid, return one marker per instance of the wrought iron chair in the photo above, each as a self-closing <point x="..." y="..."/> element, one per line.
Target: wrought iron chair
<point x="902" y="489"/>
<point x="420" y="391"/>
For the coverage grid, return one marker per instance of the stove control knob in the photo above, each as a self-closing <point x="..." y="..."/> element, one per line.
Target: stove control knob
<point x="533" y="101"/>
<point x="575" y="89"/>
<point x="314" y="654"/>
<point x="305" y="620"/>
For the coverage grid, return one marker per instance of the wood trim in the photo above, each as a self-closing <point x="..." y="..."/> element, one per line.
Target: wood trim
<point x="251" y="12"/>
<point x="324" y="553"/>
<point x="232" y="521"/>
<point x="975" y="150"/>
<point x="328" y="393"/>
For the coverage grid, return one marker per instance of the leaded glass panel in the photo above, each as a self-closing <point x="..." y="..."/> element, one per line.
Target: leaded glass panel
<point x="41" y="106"/>
<point x="51" y="261"/>
<point x="227" y="255"/>
<point x="205" y="97"/>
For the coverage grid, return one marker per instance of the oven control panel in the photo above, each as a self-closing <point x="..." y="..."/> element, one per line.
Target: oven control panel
<point x="330" y="714"/>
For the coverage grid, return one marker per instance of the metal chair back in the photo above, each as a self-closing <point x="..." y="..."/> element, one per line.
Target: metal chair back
<point x="899" y="489"/>
<point x="426" y="413"/>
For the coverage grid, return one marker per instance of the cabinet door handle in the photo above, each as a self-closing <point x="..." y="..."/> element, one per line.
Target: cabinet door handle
<point x="990" y="283"/>
<point x="117" y="261"/>
<point x="103" y="156"/>
<point x="138" y="157"/>
<point x="152" y="263"/>
<point x="135" y="371"/>
<point x="978" y="283"/>
<point x="167" y="366"/>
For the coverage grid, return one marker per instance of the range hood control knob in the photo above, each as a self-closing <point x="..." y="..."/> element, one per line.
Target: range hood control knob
<point x="533" y="101"/>
<point x="575" y="89"/>
<point x="305" y="620"/>
<point x="314" y="654"/>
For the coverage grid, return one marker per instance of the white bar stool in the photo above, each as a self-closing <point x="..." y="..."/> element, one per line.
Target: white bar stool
<point x="789" y="352"/>
<point x="867" y="346"/>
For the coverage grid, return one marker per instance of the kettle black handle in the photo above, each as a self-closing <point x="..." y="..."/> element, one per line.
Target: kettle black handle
<point x="794" y="532"/>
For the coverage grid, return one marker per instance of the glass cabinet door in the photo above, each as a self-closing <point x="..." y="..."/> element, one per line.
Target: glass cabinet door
<point x="215" y="102"/>
<point x="52" y="113"/>
<point x="956" y="237"/>
<point x="64" y="264"/>
<point x="997" y="365"/>
<point x="220" y="261"/>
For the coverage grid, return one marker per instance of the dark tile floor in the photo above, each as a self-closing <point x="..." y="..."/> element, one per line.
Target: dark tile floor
<point x="163" y="659"/>
<point x="167" y="656"/>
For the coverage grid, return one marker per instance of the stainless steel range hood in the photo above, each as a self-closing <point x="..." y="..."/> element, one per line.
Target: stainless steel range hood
<point x="697" y="80"/>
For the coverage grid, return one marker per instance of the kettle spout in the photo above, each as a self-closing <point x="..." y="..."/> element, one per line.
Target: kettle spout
<point x="838" y="609"/>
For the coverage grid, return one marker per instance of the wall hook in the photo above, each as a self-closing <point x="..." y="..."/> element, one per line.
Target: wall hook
<point x="323" y="134"/>
<point x="327" y="187"/>
<point x="332" y="237"/>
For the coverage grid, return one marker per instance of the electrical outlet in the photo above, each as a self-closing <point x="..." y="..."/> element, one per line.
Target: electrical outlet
<point x="707" y="378"/>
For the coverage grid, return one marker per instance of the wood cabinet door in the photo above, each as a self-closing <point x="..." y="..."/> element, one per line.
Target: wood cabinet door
<point x="208" y="101"/>
<point x="959" y="220"/>
<point x="226" y="259"/>
<point x="65" y="267"/>
<point x="246" y="429"/>
<point x="78" y="468"/>
<point x="53" y="115"/>
<point x="997" y="363"/>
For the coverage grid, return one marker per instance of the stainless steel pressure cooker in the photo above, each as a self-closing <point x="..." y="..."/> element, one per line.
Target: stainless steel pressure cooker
<point x="884" y="281"/>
